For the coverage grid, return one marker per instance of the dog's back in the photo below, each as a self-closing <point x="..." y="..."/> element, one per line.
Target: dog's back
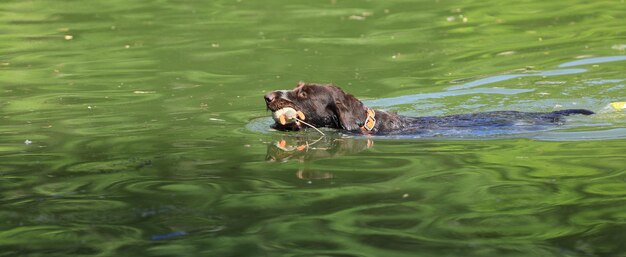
<point x="482" y="123"/>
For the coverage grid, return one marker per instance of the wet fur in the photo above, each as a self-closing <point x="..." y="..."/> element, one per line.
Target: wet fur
<point x="329" y="106"/>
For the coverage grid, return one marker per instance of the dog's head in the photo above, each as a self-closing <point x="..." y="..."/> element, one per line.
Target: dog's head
<point x="322" y="105"/>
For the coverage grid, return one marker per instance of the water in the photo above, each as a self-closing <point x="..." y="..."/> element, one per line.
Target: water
<point x="139" y="129"/>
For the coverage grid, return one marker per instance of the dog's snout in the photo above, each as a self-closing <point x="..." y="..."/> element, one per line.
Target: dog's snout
<point x="271" y="96"/>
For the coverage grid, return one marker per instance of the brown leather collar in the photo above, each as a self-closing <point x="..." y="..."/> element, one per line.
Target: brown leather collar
<point x="370" y="121"/>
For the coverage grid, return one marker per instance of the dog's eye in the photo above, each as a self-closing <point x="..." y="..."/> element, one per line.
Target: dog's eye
<point x="302" y="94"/>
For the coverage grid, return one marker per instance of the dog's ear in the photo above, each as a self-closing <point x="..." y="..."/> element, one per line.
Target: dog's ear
<point x="350" y="112"/>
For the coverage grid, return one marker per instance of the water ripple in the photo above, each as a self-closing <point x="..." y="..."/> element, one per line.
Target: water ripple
<point x="595" y="60"/>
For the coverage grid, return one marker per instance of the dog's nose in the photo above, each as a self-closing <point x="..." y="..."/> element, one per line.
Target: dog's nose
<point x="269" y="97"/>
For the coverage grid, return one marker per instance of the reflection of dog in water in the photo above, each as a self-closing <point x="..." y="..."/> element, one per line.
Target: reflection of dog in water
<point x="303" y="148"/>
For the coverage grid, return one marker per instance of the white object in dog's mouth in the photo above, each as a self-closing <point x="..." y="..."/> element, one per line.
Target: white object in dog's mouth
<point x="287" y="115"/>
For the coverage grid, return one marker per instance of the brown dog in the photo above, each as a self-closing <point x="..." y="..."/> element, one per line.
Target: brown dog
<point x="329" y="106"/>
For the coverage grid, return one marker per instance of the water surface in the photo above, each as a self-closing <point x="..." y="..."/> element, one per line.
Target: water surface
<point x="139" y="129"/>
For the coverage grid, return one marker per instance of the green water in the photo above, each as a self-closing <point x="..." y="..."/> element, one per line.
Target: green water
<point x="138" y="128"/>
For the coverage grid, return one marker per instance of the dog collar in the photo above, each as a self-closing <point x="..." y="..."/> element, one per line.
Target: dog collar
<point x="370" y="121"/>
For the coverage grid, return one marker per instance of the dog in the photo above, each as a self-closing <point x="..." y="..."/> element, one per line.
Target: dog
<point x="327" y="105"/>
